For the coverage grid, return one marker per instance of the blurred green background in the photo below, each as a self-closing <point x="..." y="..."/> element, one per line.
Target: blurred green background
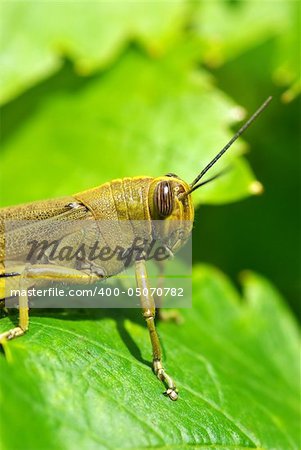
<point x="148" y="88"/>
<point x="92" y="91"/>
<point x="261" y="233"/>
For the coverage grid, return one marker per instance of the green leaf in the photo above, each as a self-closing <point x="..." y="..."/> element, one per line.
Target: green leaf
<point x="287" y="65"/>
<point x="142" y="117"/>
<point x="36" y="36"/>
<point x="84" y="377"/>
<point x="228" y="29"/>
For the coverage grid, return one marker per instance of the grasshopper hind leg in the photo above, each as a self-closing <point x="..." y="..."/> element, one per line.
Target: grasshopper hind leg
<point x="31" y="276"/>
<point x="23" y="311"/>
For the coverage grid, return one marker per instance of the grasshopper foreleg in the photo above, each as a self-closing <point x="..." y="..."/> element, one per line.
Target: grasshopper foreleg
<point x="148" y="307"/>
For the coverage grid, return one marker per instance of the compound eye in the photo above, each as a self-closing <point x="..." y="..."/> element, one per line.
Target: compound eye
<point x="172" y="175"/>
<point x="164" y="199"/>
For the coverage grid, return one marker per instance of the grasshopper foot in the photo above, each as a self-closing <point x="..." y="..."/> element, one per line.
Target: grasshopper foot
<point x="171" y="391"/>
<point x="172" y="394"/>
<point x="11" y="334"/>
<point x="170" y="316"/>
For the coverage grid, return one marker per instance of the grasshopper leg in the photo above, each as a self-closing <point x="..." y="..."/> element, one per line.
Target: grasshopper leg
<point x="23" y="321"/>
<point x="34" y="274"/>
<point x="148" y="307"/>
<point x="164" y="316"/>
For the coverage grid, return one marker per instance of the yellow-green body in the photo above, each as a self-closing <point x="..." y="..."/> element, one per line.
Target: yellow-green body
<point x="163" y="205"/>
<point x="129" y="200"/>
<point x="133" y="207"/>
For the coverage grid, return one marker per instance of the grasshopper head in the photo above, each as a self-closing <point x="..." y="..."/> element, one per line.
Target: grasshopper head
<point x="172" y="211"/>
<point x="170" y="197"/>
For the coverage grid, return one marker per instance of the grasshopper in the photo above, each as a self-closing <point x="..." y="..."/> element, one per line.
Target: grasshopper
<point x="164" y="199"/>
